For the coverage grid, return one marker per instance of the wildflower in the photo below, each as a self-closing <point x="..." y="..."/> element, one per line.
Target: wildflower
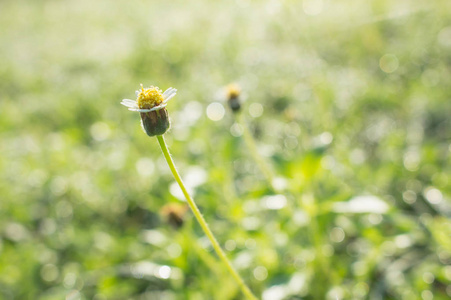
<point x="174" y="214"/>
<point x="233" y="97"/>
<point x="151" y="103"/>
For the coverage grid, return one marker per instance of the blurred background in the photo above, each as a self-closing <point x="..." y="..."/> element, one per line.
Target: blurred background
<point x="348" y="103"/>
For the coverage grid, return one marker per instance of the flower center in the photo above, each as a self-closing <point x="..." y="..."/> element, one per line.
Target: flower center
<point x="149" y="97"/>
<point x="233" y="91"/>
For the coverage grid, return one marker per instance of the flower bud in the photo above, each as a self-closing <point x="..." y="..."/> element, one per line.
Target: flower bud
<point x="155" y="122"/>
<point x="174" y="214"/>
<point x="233" y="97"/>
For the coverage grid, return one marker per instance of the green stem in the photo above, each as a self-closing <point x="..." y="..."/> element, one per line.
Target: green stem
<point x="202" y="221"/>
<point x="250" y="142"/>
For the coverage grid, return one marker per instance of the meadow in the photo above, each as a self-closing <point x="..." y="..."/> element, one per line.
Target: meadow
<point x="333" y="181"/>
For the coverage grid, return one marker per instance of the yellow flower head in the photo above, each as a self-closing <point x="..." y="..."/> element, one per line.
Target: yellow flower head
<point x="233" y="91"/>
<point x="149" y="97"/>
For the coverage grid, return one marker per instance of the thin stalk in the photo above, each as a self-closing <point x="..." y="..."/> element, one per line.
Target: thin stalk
<point x="250" y="142"/>
<point x="246" y="291"/>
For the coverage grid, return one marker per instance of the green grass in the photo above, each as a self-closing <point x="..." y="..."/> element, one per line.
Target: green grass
<point x="356" y="102"/>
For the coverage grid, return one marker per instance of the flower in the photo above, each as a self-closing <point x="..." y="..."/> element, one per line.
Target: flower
<point x="233" y="92"/>
<point x="174" y="214"/>
<point x="151" y="103"/>
<point x="149" y="99"/>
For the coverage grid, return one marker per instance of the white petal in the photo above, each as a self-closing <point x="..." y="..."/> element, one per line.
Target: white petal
<point x="158" y="107"/>
<point x="129" y="103"/>
<point x="148" y="110"/>
<point x="128" y="100"/>
<point x="139" y="109"/>
<point x="169" y="97"/>
<point x="168" y="91"/>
